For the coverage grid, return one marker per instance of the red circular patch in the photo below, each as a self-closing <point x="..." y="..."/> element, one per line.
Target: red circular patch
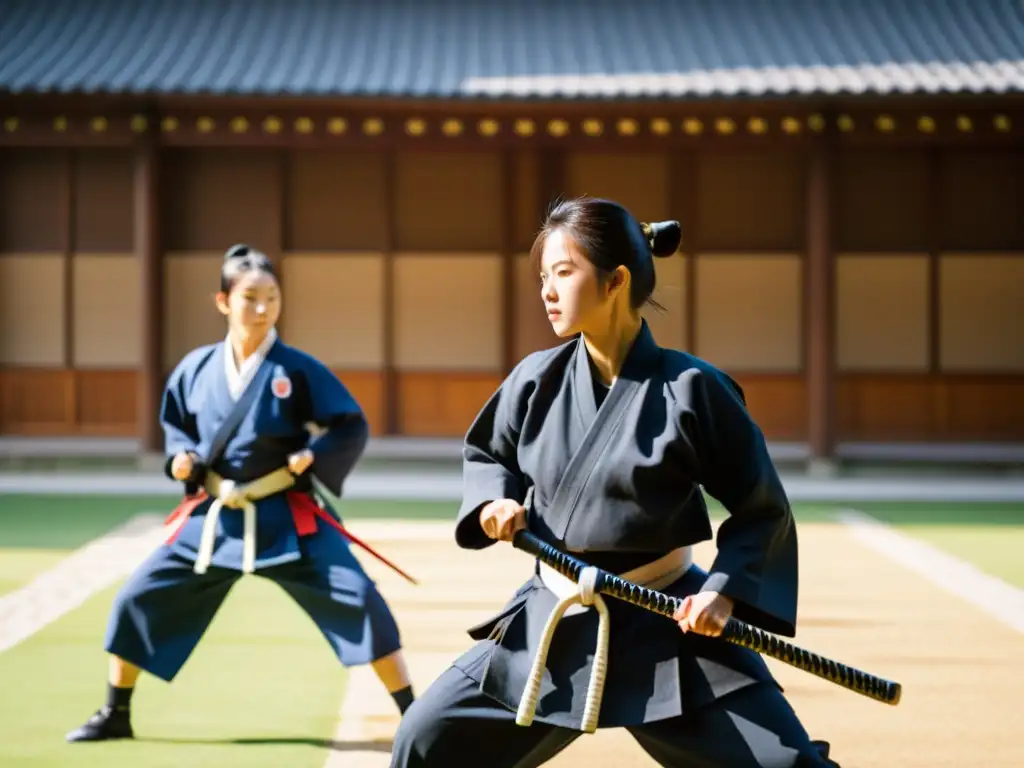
<point x="281" y="387"/>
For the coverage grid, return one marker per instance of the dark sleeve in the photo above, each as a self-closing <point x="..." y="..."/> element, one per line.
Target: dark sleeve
<point x="490" y="467"/>
<point x="341" y="429"/>
<point x="178" y="423"/>
<point x="756" y="564"/>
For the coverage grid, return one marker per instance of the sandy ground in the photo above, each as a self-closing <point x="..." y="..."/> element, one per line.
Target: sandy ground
<point x="857" y="606"/>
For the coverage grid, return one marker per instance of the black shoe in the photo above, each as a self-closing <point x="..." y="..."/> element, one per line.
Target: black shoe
<point x="105" y="724"/>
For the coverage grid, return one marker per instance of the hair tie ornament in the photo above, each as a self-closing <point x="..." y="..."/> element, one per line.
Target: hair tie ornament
<point x="237" y="251"/>
<point x="648" y="233"/>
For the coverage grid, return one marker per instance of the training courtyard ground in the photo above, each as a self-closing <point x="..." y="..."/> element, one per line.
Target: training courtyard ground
<point x="929" y="593"/>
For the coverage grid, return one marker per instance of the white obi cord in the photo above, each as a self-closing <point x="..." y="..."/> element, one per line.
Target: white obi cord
<point x="229" y="494"/>
<point x="579" y="596"/>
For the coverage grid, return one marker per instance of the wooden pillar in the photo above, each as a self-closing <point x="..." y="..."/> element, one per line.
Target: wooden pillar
<point x="820" y="313"/>
<point x="934" y="260"/>
<point x="149" y="252"/>
<point x="509" y="200"/>
<point x="552" y="180"/>
<point x="391" y="395"/>
<point x="938" y="424"/>
<point x="683" y="206"/>
<point x="284" y="238"/>
<point x="68" y="204"/>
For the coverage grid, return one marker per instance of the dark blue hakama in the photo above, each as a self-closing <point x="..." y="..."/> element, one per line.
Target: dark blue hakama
<point x="162" y="611"/>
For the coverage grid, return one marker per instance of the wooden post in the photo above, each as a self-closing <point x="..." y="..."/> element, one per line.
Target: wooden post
<point x="69" y="245"/>
<point x="934" y="260"/>
<point x="509" y="318"/>
<point x="938" y="424"/>
<point x="683" y="206"/>
<point x="392" y="423"/>
<point x="552" y="180"/>
<point x="820" y="314"/>
<point x="149" y="253"/>
<point x="284" y="238"/>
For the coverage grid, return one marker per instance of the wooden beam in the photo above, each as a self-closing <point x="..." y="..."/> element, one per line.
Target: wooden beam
<point x="284" y="169"/>
<point x="618" y="125"/>
<point x="819" y="315"/>
<point x="934" y="235"/>
<point x="68" y="238"/>
<point x="390" y="203"/>
<point x="107" y="103"/>
<point x="683" y="205"/>
<point x="552" y="181"/>
<point x="149" y="252"/>
<point x="509" y="199"/>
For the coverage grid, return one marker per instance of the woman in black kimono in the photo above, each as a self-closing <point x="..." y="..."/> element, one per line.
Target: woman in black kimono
<point x="599" y="446"/>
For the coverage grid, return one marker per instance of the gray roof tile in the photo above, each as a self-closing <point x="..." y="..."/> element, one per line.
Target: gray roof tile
<point x="517" y="49"/>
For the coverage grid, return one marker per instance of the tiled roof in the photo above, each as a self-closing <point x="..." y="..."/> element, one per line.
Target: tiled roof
<point x="512" y="49"/>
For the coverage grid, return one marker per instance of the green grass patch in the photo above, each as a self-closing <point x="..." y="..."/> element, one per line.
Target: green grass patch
<point x="374" y="509"/>
<point x="262" y="690"/>
<point x="989" y="535"/>
<point x="996" y="551"/>
<point x="952" y="514"/>
<point x="67" y="522"/>
<point x="20" y="566"/>
<point x="37" y="532"/>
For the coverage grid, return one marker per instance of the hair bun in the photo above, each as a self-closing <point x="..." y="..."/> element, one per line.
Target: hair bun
<point x="664" y="236"/>
<point x="238" y="251"/>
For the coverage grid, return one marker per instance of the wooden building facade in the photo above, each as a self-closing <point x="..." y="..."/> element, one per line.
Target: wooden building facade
<point x="863" y="284"/>
<point x="856" y="263"/>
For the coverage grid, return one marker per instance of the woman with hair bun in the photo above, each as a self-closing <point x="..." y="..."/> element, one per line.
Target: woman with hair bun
<point x="248" y="422"/>
<point x="600" y="447"/>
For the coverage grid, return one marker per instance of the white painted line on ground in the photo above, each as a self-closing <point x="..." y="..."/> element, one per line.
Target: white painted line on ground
<point x="71" y="582"/>
<point x="365" y="728"/>
<point x="369" y="718"/>
<point x="992" y="595"/>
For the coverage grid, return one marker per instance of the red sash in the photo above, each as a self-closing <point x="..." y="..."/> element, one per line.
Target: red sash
<point x="305" y="511"/>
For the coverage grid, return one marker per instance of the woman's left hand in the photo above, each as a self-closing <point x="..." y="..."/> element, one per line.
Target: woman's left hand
<point x="704" y="613"/>
<point x="299" y="462"/>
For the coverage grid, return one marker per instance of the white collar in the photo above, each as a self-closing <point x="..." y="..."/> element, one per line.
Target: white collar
<point x="239" y="378"/>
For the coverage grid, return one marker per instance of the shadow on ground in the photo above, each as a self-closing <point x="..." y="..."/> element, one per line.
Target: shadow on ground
<point x="335" y="746"/>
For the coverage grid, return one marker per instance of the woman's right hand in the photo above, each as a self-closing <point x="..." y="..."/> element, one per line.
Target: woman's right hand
<point x="181" y="467"/>
<point x="501" y="519"/>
